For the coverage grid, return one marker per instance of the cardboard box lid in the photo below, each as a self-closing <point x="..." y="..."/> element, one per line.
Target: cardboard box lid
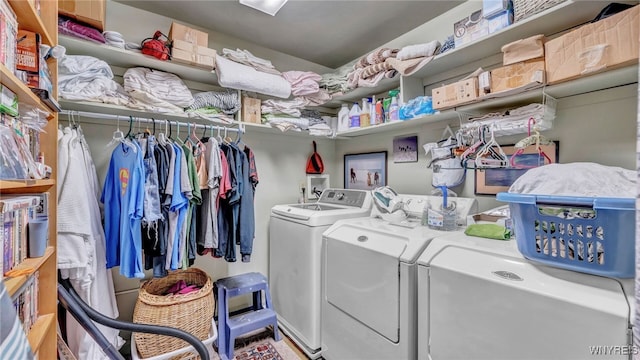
<point x="523" y="49"/>
<point x="185" y="33"/>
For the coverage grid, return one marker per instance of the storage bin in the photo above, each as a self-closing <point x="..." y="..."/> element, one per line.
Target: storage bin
<point x="522" y="9"/>
<point x="190" y="312"/>
<point x="585" y="234"/>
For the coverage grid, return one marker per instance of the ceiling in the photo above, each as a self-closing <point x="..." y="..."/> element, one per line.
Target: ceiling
<point x="329" y="33"/>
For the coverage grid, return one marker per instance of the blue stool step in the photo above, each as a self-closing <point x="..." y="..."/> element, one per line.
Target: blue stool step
<point x="229" y="328"/>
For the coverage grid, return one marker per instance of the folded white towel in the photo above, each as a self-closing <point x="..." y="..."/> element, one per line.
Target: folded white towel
<point x="242" y="77"/>
<point x="247" y="58"/>
<point x="150" y="85"/>
<point x="418" y="50"/>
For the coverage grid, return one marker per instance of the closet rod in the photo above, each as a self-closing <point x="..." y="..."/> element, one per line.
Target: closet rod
<point x="159" y="122"/>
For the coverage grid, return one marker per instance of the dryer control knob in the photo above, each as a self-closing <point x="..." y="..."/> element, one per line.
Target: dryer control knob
<point x="362" y="238"/>
<point x="340" y="196"/>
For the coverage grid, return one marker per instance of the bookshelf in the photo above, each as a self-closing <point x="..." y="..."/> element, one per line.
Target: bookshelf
<point x="42" y="334"/>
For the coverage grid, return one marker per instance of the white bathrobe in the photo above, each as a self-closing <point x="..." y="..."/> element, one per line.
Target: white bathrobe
<point x="93" y="282"/>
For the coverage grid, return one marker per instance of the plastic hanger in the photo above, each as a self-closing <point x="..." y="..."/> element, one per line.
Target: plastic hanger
<point x="178" y="140"/>
<point x="530" y="140"/>
<point x="471" y="151"/>
<point x="162" y="137"/>
<point x="491" y="155"/>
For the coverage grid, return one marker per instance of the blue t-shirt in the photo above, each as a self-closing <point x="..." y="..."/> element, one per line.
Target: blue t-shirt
<point x="179" y="204"/>
<point x="123" y="198"/>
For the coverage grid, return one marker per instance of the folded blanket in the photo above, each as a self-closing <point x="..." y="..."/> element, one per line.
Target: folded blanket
<point x="237" y="76"/>
<point x="408" y="67"/>
<point x="376" y="57"/>
<point x="247" y="58"/>
<point x="302" y="123"/>
<point x="318" y="98"/>
<point x="227" y="101"/>
<point x="320" y="130"/>
<point x="114" y="38"/>
<point x="86" y="78"/>
<point x="289" y="107"/>
<point x="302" y="82"/>
<point x="418" y="50"/>
<point x="151" y="86"/>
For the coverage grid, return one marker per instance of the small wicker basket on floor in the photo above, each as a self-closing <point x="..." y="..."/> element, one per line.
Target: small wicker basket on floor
<point x="189" y="312"/>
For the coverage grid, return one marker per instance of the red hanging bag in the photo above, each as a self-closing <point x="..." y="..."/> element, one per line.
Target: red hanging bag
<point x="156" y="47"/>
<point x="315" y="164"/>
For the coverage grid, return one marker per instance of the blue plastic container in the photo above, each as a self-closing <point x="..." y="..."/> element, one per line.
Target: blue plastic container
<point x="590" y="235"/>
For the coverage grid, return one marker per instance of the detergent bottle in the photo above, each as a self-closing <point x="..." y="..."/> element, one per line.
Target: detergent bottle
<point x="343" y="118"/>
<point x="372" y="110"/>
<point x="354" y="116"/>
<point x="364" y="113"/>
<point x="379" y="112"/>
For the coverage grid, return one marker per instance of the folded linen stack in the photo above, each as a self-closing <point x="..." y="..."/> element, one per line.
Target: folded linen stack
<point x="215" y="105"/>
<point x="86" y="78"/>
<point x="336" y="82"/>
<point x="235" y="75"/>
<point x="156" y="91"/>
<point x="246" y="58"/>
<point x="371" y="68"/>
<point x="305" y="84"/>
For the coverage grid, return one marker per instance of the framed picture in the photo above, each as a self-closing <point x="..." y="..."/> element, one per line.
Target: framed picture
<point x="493" y="181"/>
<point x="365" y="171"/>
<point x="405" y="149"/>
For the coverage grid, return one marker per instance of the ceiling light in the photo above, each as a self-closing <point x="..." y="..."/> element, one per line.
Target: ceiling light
<point x="270" y="7"/>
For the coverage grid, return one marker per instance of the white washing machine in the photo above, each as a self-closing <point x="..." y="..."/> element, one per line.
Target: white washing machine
<point x="295" y="251"/>
<point x="480" y="299"/>
<point x="369" y="303"/>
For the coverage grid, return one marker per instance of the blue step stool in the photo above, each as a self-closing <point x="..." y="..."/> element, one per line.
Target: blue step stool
<point x="229" y="328"/>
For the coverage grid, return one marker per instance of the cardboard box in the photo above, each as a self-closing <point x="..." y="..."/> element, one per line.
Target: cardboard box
<point x="595" y="47"/>
<point x="90" y="12"/>
<point x="192" y="54"/>
<point x="523" y="49"/>
<point x="185" y="33"/>
<point x="476" y="26"/>
<point x="251" y="110"/>
<point x="517" y="75"/>
<point x="494" y="7"/>
<point x="451" y="95"/>
<point x="470" y="28"/>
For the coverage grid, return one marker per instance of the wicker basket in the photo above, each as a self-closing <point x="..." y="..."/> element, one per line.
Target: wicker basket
<point x="189" y="312"/>
<point x="522" y="9"/>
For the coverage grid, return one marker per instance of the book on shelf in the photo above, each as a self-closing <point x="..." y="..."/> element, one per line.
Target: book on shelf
<point x="25" y="301"/>
<point x="15" y="213"/>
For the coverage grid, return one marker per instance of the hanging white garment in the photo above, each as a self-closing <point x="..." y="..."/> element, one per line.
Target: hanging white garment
<point x="92" y="282"/>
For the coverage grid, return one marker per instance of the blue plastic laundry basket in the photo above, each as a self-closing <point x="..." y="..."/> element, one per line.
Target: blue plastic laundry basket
<point x="590" y="235"/>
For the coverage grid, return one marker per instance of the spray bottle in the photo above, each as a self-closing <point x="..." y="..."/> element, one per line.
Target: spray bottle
<point x="394" y="109"/>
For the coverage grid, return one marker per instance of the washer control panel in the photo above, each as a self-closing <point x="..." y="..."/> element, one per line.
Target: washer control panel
<point x="347" y="197"/>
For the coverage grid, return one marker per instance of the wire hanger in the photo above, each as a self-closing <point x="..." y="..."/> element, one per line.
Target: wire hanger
<point x="530" y="140"/>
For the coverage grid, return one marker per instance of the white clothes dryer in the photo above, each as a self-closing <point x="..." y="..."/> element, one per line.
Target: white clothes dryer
<point x="481" y="299"/>
<point x="295" y="251"/>
<point x="369" y="303"/>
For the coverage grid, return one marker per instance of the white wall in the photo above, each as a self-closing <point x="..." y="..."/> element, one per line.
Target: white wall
<point x="136" y="25"/>
<point x="597" y="127"/>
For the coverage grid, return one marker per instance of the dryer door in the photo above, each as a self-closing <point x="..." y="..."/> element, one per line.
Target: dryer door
<point x="485" y="306"/>
<point x="362" y="277"/>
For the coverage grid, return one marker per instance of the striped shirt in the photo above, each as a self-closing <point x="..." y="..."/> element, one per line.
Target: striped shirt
<point x="13" y="341"/>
